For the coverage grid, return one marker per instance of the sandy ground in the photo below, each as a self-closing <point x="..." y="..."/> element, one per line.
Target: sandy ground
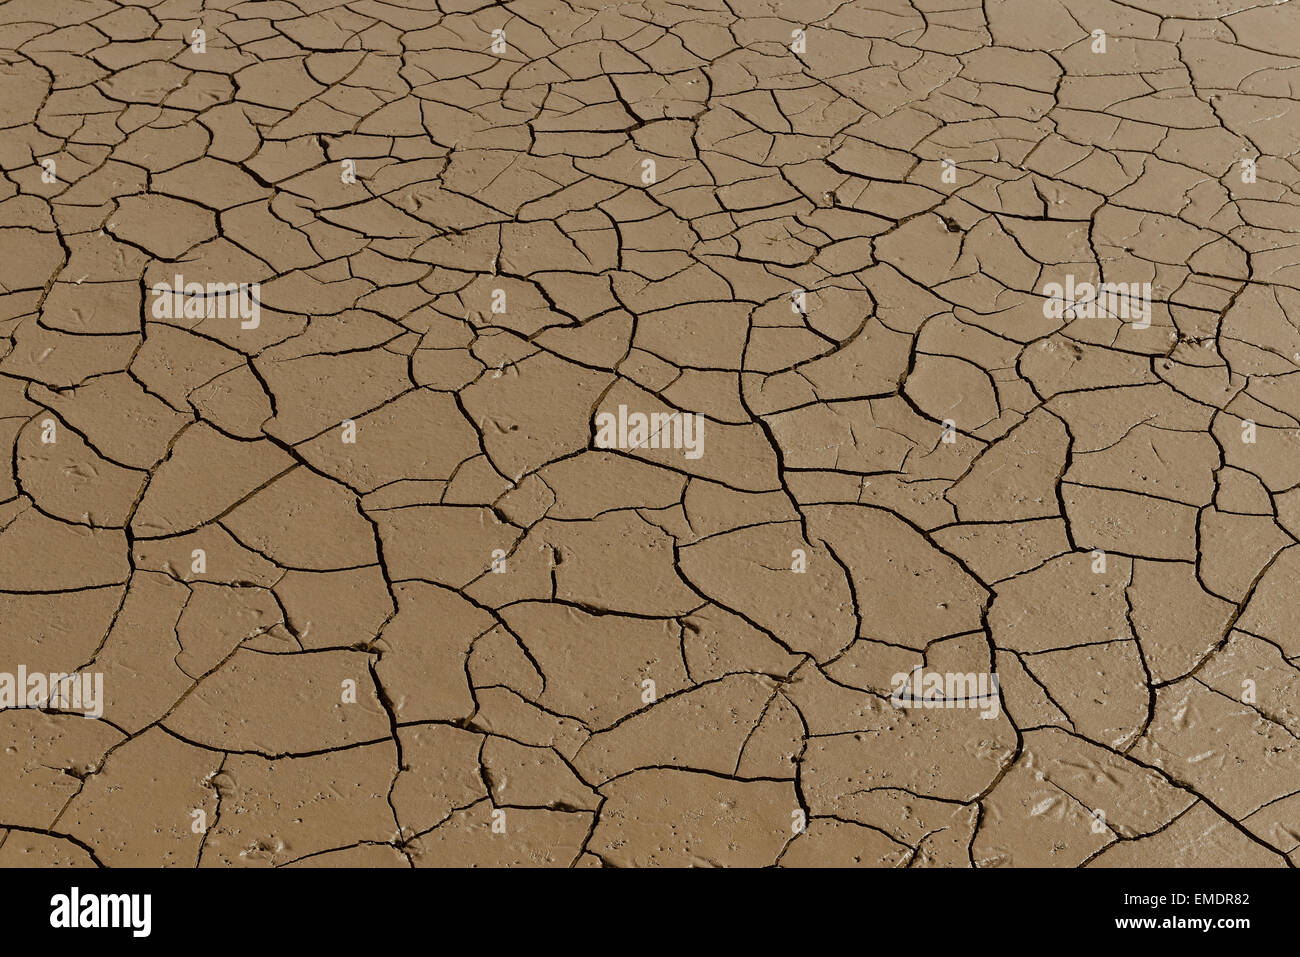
<point x="552" y="433"/>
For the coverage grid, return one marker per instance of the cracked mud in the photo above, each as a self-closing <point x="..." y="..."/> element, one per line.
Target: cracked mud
<point x="544" y="433"/>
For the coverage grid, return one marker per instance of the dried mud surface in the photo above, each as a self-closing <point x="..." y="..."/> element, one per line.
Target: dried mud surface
<point x="362" y="584"/>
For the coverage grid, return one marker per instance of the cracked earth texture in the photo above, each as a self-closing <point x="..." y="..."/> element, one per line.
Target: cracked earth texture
<point x="365" y="588"/>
